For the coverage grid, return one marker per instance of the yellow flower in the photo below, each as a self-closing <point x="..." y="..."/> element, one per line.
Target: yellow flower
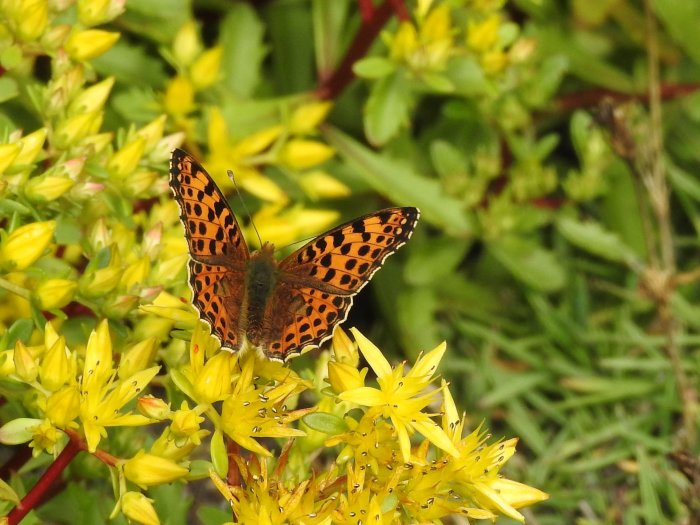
<point x="251" y="413"/>
<point x="307" y="117"/>
<point x="45" y="437"/>
<point x="152" y="132"/>
<point x="55" y="370"/>
<point x="63" y="406"/>
<point x="26" y="244"/>
<point x="30" y="17"/>
<point x="482" y="36"/>
<point x="101" y="396"/>
<point x="179" y="96"/>
<point x="402" y="398"/>
<point x="300" y="154"/>
<point x="90" y="43"/>
<point x="55" y="293"/>
<point x="344" y="376"/>
<point x="147" y="470"/>
<point x="320" y="185"/>
<point x="205" y="70"/>
<point x="138" y="507"/>
<point x="185" y="424"/>
<point x="213" y="382"/>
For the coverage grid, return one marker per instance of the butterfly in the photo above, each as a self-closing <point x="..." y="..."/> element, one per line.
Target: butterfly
<point x="282" y="308"/>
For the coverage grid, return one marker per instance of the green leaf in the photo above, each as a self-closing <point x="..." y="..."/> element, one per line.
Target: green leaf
<point x="290" y="31"/>
<point x="324" y="422"/>
<point x="467" y="77"/>
<point x="373" y="67"/>
<point x="680" y="18"/>
<point x="593" y="238"/>
<point x="172" y="503"/>
<point x="530" y="263"/>
<point x="436" y="259"/>
<point x="447" y="159"/>
<point x="398" y="182"/>
<point x="387" y="109"/>
<point x="242" y="35"/>
<point x="330" y="20"/>
<point x="132" y="65"/>
<point x="8" y="88"/>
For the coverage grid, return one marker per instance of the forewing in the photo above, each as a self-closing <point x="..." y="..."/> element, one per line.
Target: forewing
<point x="302" y="317"/>
<point x="217" y="248"/>
<point x="212" y="232"/>
<point x="345" y="258"/>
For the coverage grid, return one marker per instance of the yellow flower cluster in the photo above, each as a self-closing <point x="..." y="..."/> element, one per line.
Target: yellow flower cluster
<point x="426" y="45"/>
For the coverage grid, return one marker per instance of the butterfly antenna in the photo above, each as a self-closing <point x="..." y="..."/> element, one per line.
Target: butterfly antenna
<point x="238" y="192"/>
<point x="297" y="242"/>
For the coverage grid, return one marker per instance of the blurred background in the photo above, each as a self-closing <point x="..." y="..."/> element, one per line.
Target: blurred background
<point x="552" y="147"/>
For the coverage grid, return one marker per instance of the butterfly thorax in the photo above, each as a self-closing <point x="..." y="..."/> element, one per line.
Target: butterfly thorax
<point x="261" y="278"/>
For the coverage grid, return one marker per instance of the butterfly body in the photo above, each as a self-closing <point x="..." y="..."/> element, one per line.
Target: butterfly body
<point x="250" y="299"/>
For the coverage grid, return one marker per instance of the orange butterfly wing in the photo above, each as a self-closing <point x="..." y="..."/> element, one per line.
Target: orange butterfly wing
<point x="217" y="248"/>
<point x="317" y="282"/>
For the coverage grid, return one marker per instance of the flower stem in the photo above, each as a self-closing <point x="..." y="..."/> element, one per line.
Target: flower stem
<point x="38" y="491"/>
<point x="372" y="22"/>
<point x="14" y="288"/>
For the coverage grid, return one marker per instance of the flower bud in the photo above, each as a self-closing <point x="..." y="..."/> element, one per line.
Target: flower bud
<point x="205" y="70"/>
<point x="55" y="293"/>
<point x="124" y="161"/>
<point x="138" y="357"/>
<point x="55" y="369"/>
<point x="163" y="149"/>
<point x="45" y="437"/>
<point x="46" y="188"/>
<point x="135" y="274"/>
<point x="73" y="129"/>
<point x="300" y="154"/>
<point x="100" y="282"/>
<point x="26" y="366"/>
<point x="307" y="117"/>
<point x="343" y="376"/>
<point x="90" y="43"/>
<point x="186" y="44"/>
<point x="98" y="356"/>
<point x="29" y="17"/>
<point x="139" y="508"/>
<point x="213" y="383"/>
<point x="153" y="407"/>
<point x="53" y="38"/>
<point x="31" y="147"/>
<point x="26" y="244"/>
<point x="92" y="98"/>
<point x="99" y="141"/>
<point x="483" y="35"/>
<point x="344" y="350"/>
<point x="63" y="406"/>
<point x="121" y="306"/>
<point x="18" y="430"/>
<point x="95" y="12"/>
<point x="140" y="182"/>
<point x="152" y="132"/>
<point x="185" y="424"/>
<point x="8" y="154"/>
<point x="146" y="470"/>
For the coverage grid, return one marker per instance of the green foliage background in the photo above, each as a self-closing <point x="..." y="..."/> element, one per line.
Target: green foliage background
<point x="543" y="254"/>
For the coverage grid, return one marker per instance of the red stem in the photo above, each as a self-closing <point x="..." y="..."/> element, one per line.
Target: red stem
<point x="594" y="96"/>
<point x="52" y="474"/>
<point x="330" y="87"/>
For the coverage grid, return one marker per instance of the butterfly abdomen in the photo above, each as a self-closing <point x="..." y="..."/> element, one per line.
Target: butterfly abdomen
<point x="261" y="278"/>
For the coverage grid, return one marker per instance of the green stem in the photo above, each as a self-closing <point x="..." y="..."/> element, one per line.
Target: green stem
<point x="14" y="288"/>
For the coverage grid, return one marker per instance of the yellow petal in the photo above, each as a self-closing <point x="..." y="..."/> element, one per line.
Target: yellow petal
<point x="372" y="354"/>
